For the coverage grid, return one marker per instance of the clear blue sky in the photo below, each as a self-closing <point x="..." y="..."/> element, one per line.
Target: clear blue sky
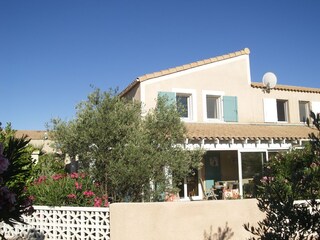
<point x="52" y="51"/>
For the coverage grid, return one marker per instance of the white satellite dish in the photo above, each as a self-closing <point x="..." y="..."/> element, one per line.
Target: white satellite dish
<point x="269" y="80"/>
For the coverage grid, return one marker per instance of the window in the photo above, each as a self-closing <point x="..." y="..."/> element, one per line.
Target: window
<point x="275" y="110"/>
<point x="183" y="105"/>
<point x="185" y="100"/>
<point x="282" y="110"/>
<point x="252" y="170"/>
<point x="217" y="107"/>
<point x="213" y="107"/>
<point x="303" y="110"/>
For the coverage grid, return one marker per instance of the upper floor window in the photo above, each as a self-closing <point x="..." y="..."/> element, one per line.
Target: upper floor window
<point x="185" y="100"/>
<point x="304" y="110"/>
<point x="217" y="107"/>
<point x="282" y="110"/>
<point x="276" y="110"/>
<point x="183" y="105"/>
<point x="213" y="107"/>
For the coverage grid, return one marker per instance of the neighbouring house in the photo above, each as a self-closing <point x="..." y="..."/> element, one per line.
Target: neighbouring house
<point x="38" y="139"/>
<point x="239" y="123"/>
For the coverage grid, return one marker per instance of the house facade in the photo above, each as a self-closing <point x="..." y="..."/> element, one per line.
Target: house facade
<point x="239" y="123"/>
<point x="38" y="139"/>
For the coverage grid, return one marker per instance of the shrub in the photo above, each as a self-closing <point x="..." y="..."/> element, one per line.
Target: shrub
<point x="15" y="170"/>
<point x="75" y="189"/>
<point x="289" y="177"/>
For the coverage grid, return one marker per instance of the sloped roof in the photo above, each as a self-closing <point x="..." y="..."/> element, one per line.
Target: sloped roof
<point x="31" y="134"/>
<point x="289" y="88"/>
<point x="209" y="131"/>
<point x="245" y="51"/>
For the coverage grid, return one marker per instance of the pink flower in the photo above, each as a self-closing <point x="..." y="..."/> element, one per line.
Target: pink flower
<point x="74" y="175"/>
<point x="88" y="193"/>
<point x="72" y="196"/>
<point x="96" y="184"/>
<point x="97" y="202"/>
<point x="40" y="180"/>
<point x="78" y="185"/>
<point x="106" y="201"/>
<point x="57" y="177"/>
<point x="266" y="179"/>
<point x="31" y="198"/>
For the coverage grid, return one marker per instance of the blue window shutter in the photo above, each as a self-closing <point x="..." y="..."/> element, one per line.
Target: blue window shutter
<point x="230" y="108"/>
<point x="169" y="96"/>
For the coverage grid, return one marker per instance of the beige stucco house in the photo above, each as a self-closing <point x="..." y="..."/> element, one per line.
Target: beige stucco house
<point x="238" y="122"/>
<point x="38" y="139"/>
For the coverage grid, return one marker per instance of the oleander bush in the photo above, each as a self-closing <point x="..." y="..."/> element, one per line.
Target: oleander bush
<point x="62" y="189"/>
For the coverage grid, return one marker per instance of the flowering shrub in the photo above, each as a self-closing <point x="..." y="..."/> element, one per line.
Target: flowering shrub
<point x="15" y="168"/>
<point x="75" y="189"/>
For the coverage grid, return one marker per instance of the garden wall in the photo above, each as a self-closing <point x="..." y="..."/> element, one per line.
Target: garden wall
<point x="197" y="220"/>
<point x="62" y="223"/>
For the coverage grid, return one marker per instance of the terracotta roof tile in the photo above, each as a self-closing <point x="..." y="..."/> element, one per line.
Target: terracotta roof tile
<point x="34" y="135"/>
<point x="288" y="88"/>
<point x="211" y="131"/>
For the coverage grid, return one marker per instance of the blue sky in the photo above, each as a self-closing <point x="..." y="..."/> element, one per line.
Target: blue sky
<point x="52" y="51"/>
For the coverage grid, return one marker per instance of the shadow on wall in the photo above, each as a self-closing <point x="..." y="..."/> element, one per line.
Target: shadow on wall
<point x="221" y="234"/>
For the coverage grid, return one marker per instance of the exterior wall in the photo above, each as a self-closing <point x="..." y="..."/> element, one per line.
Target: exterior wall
<point x="255" y="98"/>
<point x="45" y="145"/>
<point x="230" y="77"/>
<point x="182" y="220"/>
<point x="134" y="93"/>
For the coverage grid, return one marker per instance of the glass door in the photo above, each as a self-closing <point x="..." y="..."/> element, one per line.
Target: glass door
<point x="252" y="170"/>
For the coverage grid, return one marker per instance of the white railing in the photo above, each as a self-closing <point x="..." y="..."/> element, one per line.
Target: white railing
<point x="62" y="223"/>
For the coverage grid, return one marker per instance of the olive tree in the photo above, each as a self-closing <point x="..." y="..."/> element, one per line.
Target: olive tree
<point x="134" y="157"/>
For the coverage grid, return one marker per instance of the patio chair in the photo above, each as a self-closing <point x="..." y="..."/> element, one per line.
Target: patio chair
<point x="208" y="192"/>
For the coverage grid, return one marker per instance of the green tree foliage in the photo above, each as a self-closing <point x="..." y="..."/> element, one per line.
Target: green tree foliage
<point x="288" y="178"/>
<point x="14" y="200"/>
<point x="135" y="158"/>
<point x="48" y="165"/>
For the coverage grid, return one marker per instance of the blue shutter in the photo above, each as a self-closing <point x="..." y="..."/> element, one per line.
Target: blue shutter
<point x="230" y="109"/>
<point x="169" y="96"/>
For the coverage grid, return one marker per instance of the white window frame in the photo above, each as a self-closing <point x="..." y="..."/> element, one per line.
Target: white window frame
<point x="263" y="150"/>
<point x="306" y="105"/>
<point x="192" y="103"/>
<point x="286" y="110"/>
<point x="271" y="110"/>
<point x="218" y="94"/>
